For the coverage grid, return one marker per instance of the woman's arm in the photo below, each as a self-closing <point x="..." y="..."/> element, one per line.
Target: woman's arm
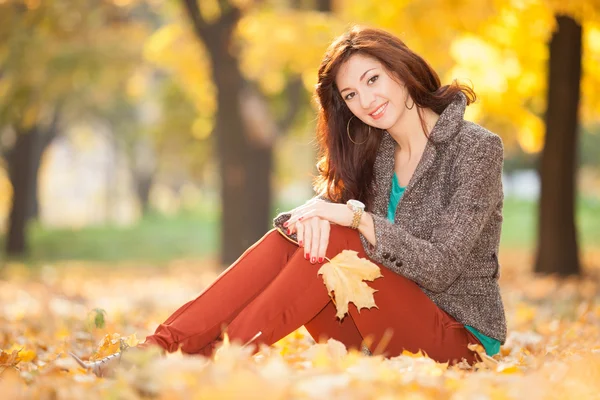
<point x="366" y="228"/>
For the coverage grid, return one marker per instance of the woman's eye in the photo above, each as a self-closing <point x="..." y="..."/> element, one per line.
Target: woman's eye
<point x="373" y="78"/>
<point x="349" y="96"/>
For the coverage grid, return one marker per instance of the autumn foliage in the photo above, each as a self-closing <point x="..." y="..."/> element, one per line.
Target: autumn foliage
<point x="552" y="351"/>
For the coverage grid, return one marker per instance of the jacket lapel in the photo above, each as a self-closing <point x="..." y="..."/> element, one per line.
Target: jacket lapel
<point x="444" y="130"/>
<point x="426" y="161"/>
<point x="383" y="171"/>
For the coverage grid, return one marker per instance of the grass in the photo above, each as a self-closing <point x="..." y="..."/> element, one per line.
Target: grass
<point x="519" y="229"/>
<point x="158" y="238"/>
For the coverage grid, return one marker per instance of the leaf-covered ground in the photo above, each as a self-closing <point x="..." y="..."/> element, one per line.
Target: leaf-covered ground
<point x="552" y="351"/>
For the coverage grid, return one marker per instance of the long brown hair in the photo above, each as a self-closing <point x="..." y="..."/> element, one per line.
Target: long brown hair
<point x="346" y="169"/>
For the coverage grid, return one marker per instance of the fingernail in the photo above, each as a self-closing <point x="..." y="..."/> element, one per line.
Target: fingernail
<point x="289" y="231"/>
<point x="285" y="224"/>
<point x="312" y="260"/>
<point x="320" y="259"/>
<point x="306" y="256"/>
<point x="300" y="243"/>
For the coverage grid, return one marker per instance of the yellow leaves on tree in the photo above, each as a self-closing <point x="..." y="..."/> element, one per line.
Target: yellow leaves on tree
<point x="344" y="275"/>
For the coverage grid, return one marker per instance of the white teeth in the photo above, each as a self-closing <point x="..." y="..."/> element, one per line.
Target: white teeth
<point x="379" y="110"/>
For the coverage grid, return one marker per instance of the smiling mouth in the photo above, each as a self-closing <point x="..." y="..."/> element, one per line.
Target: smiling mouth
<point x="379" y="110"/>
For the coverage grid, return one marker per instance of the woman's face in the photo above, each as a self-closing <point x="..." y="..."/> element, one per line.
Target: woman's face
<point x="370" y="92"/>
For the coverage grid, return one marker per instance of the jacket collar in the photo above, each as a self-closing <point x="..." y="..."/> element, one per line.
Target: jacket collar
<point x="447" y="126"/>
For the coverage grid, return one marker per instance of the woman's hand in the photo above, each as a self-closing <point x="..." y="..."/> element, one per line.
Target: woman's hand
<point x="335" y="213"/>
<point x="312" y="222"/>
<point x="313" y="235"/>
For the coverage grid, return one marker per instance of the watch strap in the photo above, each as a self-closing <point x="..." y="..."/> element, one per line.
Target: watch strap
<point x="357" y="215"/>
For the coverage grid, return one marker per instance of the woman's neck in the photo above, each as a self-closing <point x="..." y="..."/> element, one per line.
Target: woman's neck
<point x="408" y="133"/>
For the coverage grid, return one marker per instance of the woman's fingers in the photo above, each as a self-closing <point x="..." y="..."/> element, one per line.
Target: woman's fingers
<point x="299" y="216"/>
<point x="296" y="212"/>
<point x="290" y="228"/>
<point x="313" y="235"/>
<point x="300" y="233"/>
<point x="307" y="239"/>
<point x="315" y="239"/>
<point x="325" y="229"/>
<point x="302" y="214"/>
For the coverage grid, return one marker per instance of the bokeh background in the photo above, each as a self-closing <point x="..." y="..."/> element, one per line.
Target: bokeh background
<point x="145" y="144"/>
<point x="148" y="132"/>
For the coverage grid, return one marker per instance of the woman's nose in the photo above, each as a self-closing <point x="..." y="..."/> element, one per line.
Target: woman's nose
<point x="366" y="101"/>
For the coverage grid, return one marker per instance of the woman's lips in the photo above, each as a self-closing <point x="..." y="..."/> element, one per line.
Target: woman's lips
<point x="380" y="111"/>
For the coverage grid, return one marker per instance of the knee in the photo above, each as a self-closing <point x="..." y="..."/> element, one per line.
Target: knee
<point x="343" y="238"/>
<point x="339" y="230"/>
<point x="274" y="237"/>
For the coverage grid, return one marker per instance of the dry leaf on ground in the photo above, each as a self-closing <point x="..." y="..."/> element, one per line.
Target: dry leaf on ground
<point x="552" y="349"/>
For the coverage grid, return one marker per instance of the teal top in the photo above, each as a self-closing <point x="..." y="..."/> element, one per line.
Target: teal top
<point x="395" y="195"/>
<point x="491" y="345"/>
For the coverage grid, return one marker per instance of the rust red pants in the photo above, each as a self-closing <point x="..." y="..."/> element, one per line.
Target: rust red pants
<point x="273" y="289"/>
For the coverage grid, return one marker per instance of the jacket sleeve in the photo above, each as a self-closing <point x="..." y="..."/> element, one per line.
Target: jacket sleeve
<point x="436" y="263"/>
<point x="280" y="219"/>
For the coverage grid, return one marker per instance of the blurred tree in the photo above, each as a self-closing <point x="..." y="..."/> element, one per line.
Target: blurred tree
<point x="244" y="161"/>
<point x="589" y="147"/>
<point x="557" y="250"/>
<point x="130" y="134"/>
<point x="499" y="46"/>
<point x="244" y="124"/>
<point x="180" y="156"/>
<point x="23" y="162"/>
<point x="53" y="65"/>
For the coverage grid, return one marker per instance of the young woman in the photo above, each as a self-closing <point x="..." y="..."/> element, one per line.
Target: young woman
<point x="403" y="180"/>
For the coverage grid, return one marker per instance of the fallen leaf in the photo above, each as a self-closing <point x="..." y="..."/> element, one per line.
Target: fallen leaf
<point x="344" y="275"/>
<point x="8" y="359"/>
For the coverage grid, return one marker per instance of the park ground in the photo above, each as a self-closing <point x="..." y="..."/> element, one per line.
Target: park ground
<point x="91" y="290"/>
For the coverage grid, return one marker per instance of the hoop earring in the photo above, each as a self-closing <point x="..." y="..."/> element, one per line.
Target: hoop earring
<point x="348" y="131"/>
<point x="411" y="107"/>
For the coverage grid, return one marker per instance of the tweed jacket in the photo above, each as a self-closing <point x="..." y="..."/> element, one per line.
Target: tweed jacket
<point x="446" y="231"/>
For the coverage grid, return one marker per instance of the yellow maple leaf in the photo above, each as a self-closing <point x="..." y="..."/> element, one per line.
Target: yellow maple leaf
<point x="8" y="359"/>
<point x="418" y="354"/>
<point x="112" y="343"/>
<point x="344" y="275"/>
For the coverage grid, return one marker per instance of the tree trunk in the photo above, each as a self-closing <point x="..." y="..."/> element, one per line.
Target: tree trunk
<point x="143" y="184"/>
<point x="244" y="163"/>
<point x="34" y="207"/>
<point x="142" y="162"/>
<point x="22" y="170"/>
<point x="23" y="162"/>
<point x="324" y="5"/>
<point x="557" y="248"/>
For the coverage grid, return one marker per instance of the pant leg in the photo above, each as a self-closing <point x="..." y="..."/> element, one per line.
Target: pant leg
<point x="326" y="325"/>
<point x="297" y="295"/>
<point x="413" y="319"/>
<point x="292" y="299"/>
<point x="196" y="324"/>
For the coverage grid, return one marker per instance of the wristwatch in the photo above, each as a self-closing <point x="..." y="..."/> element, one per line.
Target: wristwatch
<point x="357" y="208"/>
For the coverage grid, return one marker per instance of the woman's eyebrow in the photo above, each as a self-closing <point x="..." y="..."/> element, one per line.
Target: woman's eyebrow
<point x="361" y="78"/>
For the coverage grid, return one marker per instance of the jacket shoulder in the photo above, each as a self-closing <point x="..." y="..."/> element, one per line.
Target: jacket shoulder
<point x="472" y="135"/>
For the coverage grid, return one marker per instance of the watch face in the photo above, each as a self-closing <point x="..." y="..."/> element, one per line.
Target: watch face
<point x="356" y="203"/>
